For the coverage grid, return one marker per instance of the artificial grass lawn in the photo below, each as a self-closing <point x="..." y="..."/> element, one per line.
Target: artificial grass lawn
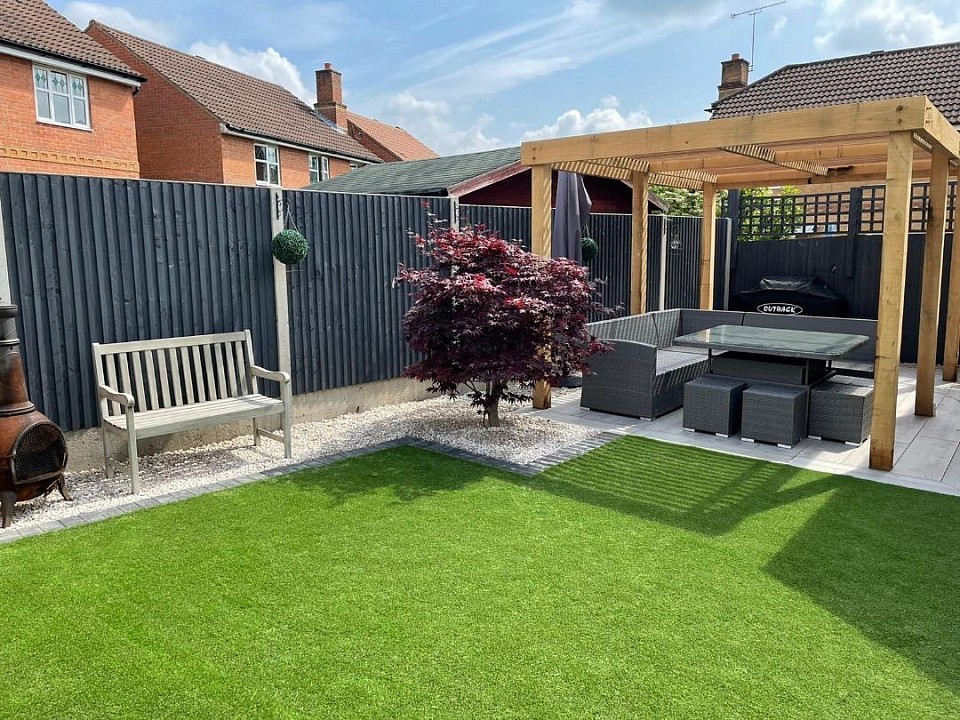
<point x="642" y="580"/>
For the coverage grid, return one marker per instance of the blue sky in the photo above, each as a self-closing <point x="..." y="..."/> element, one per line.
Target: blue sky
<point x="469" y="76"/>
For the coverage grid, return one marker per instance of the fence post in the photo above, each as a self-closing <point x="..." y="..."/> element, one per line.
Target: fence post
<point x="854" y="220"/>
<point x="280" y="284"/>
<point x="734" y="202"/>
<point x="5" y="292"/>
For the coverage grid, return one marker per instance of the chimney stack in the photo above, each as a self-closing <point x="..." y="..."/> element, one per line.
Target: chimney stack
<point x="330" y="96"/>
<point x="734" y="76"/>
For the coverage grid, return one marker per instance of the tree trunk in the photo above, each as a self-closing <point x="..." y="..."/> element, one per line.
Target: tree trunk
<point x="491" y="404"/>
<point x="493" y="413"/>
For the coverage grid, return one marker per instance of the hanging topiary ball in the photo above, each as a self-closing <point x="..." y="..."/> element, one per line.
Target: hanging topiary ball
<point x="588" y="248"/>
<point x="289" y="247"/>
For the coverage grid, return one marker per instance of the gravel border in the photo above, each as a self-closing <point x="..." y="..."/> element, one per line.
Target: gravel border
<point x="525" y="445"/>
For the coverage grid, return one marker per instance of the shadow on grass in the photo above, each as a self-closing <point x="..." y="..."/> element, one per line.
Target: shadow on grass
<point x="406" y="473"/>
<point x="687" y="487"/>
<point x="885" y="560"/>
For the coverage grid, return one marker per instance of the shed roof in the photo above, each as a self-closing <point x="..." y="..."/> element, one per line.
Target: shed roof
<point x="422" y="177"/>
<point x="34" y="25"/>
<point x="242" y="102"/>
<point x="932" y="70"/>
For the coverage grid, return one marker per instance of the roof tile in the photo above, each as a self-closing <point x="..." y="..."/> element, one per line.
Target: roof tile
<point x="243" y="102"/>
<point x="34" y="25"/>
<point x="395" y="139"/>
<point x="933" y="70"/>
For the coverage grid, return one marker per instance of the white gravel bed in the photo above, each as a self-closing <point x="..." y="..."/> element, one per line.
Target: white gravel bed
<point x="522" y="438"/>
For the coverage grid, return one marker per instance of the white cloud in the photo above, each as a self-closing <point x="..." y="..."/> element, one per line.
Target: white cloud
<point x="433" y="122"/>
<point x="778" y="26"/>
<point x="265" y="64"/>
<point x="81" y="13"/>
<point x="576" y="35"/>
<point x="852" y="26"/>
<point x="605" y="118"/>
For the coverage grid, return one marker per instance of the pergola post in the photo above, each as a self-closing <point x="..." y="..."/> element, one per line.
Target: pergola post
<point x="951" y="346"/>
<point x="638" y="244"/>
<point x="708" y="241"/>
<point x="930" y="290"/>
<point x="893" y="263"/>
<point x="541" y="224"/>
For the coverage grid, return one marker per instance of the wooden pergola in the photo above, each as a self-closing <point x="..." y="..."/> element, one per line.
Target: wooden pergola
<point x="891" y="141"/>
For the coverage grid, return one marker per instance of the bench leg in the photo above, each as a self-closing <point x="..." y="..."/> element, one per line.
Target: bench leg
<point x="132" y="456"/>
<point x="287" y="420"/>
<point x="107" y="464"/>
<point x="256" y="433"/>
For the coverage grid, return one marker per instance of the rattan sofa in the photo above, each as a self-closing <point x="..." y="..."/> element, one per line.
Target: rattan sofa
<point x="644" y="375"/>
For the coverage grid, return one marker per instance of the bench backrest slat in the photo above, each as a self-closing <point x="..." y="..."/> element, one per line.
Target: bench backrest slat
<point x="172" y="372"/>
<point x="164" y="374"/>
<point x="187" y="374"/>
<point x="241" y="365"/>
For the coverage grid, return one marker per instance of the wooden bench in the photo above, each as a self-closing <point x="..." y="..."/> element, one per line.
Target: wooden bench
<point x="156" y="387"/>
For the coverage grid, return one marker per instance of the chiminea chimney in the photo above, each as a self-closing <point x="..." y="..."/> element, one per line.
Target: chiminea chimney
<point x="330" y="96"/>
<point x="734" y="76"/>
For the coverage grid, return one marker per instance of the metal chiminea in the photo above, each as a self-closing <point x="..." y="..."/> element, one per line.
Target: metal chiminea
<point x="33" y="453"/>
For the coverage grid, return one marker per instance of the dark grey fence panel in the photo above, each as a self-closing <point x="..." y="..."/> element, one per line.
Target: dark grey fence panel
<point x="513" y="223"/>
<point x="99" y="260"/>
<point x="611" y="266"/>
<point x="345" y="314"/>
<point x="851" y="266"/>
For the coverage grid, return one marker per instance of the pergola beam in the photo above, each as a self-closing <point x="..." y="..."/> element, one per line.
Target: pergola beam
<point x="893" y="265"/>
<point x="764" y="154"/>
<point x="541" y="224"/>
<point x="708" y="236"/>
<point x="930" y="289"/>
<point x="951" y="345"/>
<point x="596" y="169"/>
<point x="638" y="244"/>
<point x="816" y="125"/>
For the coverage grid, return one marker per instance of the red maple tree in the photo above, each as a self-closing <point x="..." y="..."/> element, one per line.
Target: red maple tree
<point x="493" y="318"/>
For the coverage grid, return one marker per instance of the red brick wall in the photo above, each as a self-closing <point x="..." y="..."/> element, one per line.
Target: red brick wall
<point x="608" y="196"/>
<point x="27" y="145"/>
<point x="177" y="139"/>
<point x="239" y="168"/>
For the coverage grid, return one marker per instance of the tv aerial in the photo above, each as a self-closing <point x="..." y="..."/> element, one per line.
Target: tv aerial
<point x="752" y="13"/>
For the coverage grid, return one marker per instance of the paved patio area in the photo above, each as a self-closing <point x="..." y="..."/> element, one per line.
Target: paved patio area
<point x="927" y="452"/>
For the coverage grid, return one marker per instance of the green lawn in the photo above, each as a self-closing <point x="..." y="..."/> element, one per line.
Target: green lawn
<point x="642" y="580"/>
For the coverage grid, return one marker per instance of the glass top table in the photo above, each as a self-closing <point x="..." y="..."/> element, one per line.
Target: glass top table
<point x="806" y="344"/>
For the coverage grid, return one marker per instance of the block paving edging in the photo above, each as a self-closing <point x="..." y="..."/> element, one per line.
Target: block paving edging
<point x="12" y="533"/>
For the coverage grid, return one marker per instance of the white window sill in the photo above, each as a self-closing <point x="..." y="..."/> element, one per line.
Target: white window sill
<point x="85" y="128"/>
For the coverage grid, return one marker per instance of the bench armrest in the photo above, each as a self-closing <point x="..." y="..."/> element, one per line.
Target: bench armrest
<point x="277" y="375"/>
<point x="108" y="393"/>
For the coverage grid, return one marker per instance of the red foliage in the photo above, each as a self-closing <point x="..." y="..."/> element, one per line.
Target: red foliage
<point x="487" y="313"/>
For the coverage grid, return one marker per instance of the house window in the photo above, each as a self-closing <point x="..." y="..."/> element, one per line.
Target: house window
<point x="61" y="97"/>
<point x="267" y="160"/>
<point x="319" y="168"/>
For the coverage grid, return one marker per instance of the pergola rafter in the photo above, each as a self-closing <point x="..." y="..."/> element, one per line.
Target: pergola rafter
<point x="890" y="141"/>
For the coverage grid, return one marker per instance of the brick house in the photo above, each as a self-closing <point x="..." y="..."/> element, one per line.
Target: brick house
<point x="199" y="121"/>
<point x="931" y="70"/>
<point x="492" y="177"/>
<point x="67" y="103"/>
<point x="388" y="142"/>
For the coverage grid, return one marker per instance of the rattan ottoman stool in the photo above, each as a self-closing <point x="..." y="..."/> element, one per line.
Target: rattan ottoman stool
<point x="712" y="404"/>
<point x="841" y="409"/>
<point x="774" y="414"/>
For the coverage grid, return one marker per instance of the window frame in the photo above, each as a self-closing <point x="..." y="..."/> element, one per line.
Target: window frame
<point x="69" y="95"/>
<point x="267" y="163"/>
<point x="322" y="170"/>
